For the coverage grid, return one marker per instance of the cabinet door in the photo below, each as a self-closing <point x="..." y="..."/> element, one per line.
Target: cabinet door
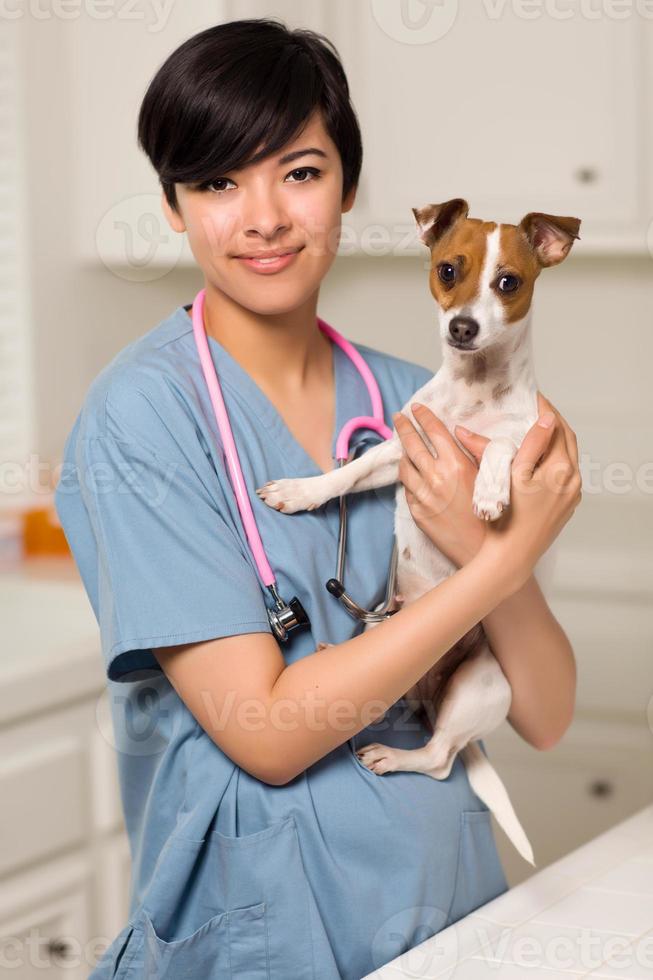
<point x="514" y="111"/>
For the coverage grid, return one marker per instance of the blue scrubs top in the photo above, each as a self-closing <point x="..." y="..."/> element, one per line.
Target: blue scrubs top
<point x="340" y="870"/>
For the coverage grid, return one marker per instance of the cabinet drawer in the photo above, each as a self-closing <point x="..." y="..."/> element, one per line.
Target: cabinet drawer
<point x="44" y="767"/>
<point x="46" y="935"/>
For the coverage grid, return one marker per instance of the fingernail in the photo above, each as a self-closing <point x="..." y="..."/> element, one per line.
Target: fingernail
<point x="461" y="428"/>
<point x="546" y="420"/>
<point x="416" y="407"/>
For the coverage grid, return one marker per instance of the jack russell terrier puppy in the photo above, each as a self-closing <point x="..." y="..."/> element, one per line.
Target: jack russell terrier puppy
<point x="482" y="276"/>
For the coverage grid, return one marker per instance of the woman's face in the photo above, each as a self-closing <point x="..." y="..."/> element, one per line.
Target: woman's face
<point x="269" y="206"/>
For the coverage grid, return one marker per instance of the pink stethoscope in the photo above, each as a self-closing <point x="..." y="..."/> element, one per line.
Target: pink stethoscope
<point x="287" y="616"/>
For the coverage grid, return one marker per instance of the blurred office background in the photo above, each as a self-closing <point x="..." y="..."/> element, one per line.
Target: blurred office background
<point x="516" y="107"/>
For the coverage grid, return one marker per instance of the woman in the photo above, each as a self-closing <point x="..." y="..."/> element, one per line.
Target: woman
<point x="261" y="845"/>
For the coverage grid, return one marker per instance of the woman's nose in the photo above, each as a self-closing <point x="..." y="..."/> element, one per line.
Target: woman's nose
<point x="265" y="214"/>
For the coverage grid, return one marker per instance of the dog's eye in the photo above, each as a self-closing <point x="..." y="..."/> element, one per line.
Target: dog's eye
<point x="447" y="273"/>
<point x="509" y="283"/>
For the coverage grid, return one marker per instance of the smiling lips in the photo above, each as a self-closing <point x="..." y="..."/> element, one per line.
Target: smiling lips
<point x="270" y="263"/>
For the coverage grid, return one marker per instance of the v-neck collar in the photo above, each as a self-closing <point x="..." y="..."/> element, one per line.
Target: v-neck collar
<point x="233" y="375"/>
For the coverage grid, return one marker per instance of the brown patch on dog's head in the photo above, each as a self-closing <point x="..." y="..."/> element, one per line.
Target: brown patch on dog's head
<point x="457" y="246"/>
<point x="518" y="267"/>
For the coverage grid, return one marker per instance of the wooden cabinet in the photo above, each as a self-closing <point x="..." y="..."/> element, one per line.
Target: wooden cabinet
<point x="514" y="110"/>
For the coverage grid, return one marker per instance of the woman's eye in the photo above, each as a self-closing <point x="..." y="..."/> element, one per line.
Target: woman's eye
<point x="305" y="170"/>
<point x="211" y="185"/>
<point x="508" y="283"/>
<point x="303" y="174"/>
<point x="447" y="273"/>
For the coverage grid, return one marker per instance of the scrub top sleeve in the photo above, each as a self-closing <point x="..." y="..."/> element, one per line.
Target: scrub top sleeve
<point x="170" y="569"/>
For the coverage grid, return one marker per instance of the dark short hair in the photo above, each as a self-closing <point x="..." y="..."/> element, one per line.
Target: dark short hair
<point x="238" y="86"/>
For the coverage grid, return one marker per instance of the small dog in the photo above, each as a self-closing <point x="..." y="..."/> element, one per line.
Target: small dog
<point x="482" y="276"/>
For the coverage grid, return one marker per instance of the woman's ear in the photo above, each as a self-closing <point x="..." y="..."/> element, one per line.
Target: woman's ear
<point x="173" y="218"/>
<point x="348" y="201"/>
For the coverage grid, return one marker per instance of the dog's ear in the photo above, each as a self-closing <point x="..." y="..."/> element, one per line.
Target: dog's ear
<point x="549" y="235"/>
<point x="434" y="219"/>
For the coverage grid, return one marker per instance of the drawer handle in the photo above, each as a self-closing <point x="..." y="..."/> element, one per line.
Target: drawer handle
<point x="59" y="947"/>
<point x="587" y="175"/>
<point x="601" y="787"/>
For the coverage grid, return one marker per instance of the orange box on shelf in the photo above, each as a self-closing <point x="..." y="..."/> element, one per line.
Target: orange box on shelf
<point x="42" y="533"/>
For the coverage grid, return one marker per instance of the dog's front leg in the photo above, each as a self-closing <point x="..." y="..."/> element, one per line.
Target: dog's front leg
<point x="492" y="485"/>
<point x="377" y="467"/>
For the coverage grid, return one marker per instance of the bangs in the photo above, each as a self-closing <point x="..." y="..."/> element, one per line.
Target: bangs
<point x="239" y="92"/>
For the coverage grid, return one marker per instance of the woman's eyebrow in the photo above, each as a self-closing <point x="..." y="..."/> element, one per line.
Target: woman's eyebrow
<point x="289" y="157"/>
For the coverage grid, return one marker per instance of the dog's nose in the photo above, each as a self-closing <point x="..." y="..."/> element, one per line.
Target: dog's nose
<point x="463" y="329"/>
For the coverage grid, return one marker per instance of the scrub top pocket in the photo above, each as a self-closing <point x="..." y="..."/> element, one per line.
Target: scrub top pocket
<point x="480" y="876"/>
<point x="233" y="943"/>
<point x="226" y="907"/>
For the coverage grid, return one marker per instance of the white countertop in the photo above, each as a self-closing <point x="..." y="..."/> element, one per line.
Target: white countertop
<point x="590" y="914"/>
<point x="50" y="637"/>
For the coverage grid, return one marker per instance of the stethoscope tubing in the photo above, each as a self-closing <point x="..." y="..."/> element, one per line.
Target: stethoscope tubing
<point x="288" y="616"/>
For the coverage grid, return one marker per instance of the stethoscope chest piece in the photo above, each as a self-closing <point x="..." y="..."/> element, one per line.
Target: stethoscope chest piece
<point x="285" y="617"/>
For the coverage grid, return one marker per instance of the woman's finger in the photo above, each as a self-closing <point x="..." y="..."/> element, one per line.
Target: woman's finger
<point x="411" y="478"/>
<point x="544" y="405"/>
<point x="533" y="446"/>
<point x="474" y="442"/>
<point x="436" y="430"/>
<point x="412" y="442"/>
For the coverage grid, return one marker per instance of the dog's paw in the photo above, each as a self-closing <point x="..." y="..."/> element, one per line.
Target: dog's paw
<point x="489" y="501"/>
<point x="290" y="496"/>
<point x="381" y="759"/>
<point x="487" y="508"/>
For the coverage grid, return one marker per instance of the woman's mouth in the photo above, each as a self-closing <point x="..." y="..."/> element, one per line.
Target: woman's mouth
<point x="270" y="265"/>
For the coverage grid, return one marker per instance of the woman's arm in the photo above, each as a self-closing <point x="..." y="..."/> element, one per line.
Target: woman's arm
<point x="538" y="660"/>
<point x="335" y="693"/>
<point x="275" y="720"/>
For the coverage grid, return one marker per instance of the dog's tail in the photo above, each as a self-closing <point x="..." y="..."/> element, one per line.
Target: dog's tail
<point x="487" y="785"/>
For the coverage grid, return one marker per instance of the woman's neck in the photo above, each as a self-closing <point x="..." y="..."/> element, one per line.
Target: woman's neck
<point x="284" y="352"/>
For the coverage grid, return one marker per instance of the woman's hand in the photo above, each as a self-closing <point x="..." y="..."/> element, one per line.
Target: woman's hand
<point x="439" y="490"/>
<point x="545" y="489"/>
